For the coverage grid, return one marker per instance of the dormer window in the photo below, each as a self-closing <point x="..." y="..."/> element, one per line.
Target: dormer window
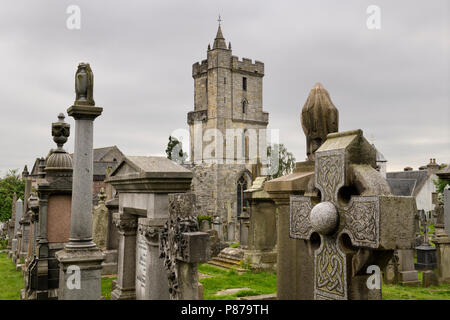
<point x="244" y="84"/>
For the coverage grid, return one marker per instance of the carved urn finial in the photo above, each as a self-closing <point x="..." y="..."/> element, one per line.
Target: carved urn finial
<point x="319" y="117"/>
<point x="59" y="159"/>
<point x="60" y="132"/>
<point x="84" y="85"/>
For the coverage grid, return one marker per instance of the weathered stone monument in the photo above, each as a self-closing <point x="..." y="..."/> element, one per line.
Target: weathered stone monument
<point x="11" y="225"/>
<point x="441" y="237"/>
<point x="81" y="251"/>
<point x="261" y="253"/>
<point x="16" y="243"/>
<point x="182" y="247"/>
<point x="346" y="219"/>
<point x="143" y="184"/>
<point x="290" y="275"/>
<point x="51" y="212"/>
<point x="100" y="222"/>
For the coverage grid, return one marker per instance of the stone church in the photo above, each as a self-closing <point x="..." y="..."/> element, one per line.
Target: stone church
<point x="227" y="134"/>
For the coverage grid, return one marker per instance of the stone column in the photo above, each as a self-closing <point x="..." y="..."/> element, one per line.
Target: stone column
<point x="126" y="274"/>
<point x="81" y="251"/>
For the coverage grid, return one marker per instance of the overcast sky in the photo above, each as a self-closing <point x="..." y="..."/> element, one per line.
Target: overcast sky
<point x="393" y="83"/>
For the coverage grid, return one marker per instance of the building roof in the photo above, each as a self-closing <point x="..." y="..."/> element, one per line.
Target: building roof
<point x="406" y="183"/>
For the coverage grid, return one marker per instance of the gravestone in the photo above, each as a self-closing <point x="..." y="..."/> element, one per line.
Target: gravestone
<point x="100" y="221"/>
<point x="319" y="117"/>
<point x="51" y="212"/>
<point x="352" y="223"/>
<point x="81" y="250"/>
<point x="11" y="225"/>
<point x="16" y="245"/>
<point x="261" y="253"/>
<point x="143" y="184"/>
<point x="441" y="240"/>
<point x="182" y="247"/>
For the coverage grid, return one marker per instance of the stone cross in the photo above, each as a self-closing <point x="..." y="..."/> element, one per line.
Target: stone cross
<point x="356" y="214"/>
<point x="183" y="246"/>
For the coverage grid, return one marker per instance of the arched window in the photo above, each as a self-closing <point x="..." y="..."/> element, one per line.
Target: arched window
<point x="241" y="201"/>
<point x="244" y="106"/>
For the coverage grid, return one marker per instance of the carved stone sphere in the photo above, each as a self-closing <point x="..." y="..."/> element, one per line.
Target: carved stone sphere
<point x="324" y="218"/>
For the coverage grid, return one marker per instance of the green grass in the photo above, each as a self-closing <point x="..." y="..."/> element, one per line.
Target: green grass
<point x="107" y="287"/>
<point x="220" y="279"/>
<point x="11" y="281"/>
<point x="399" y="292"/>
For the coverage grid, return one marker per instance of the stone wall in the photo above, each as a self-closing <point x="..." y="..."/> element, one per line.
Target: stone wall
<point x="215" y="187"/>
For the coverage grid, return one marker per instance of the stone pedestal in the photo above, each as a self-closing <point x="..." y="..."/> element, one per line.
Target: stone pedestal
<point x="293" y="282"/>
<point x="126" y="273"/>
<point x="407" y="273"/>
<point x="80" y="274"/>
<point x="261" y="252"/>
<point x="443" y="258"/>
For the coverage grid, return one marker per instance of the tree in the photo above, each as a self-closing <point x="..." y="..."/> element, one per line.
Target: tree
<point x="174" y="150"/>
<point x="10" y="183"/>
<point x="440" y="184"/>
<point x="281" y="162"/>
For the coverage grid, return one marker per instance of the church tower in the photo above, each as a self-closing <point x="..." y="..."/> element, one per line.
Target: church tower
<point x="227" y="95"/>
<point x="227" y="133"/>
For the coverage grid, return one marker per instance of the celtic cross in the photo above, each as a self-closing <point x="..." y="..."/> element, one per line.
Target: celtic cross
<point x="356" y="205"/>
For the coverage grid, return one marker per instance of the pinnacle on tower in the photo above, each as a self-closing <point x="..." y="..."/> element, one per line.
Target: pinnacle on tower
<point x="219" y="41"/>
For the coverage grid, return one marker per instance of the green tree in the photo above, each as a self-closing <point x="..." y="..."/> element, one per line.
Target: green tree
<point x="10" y="183"/>
<point x="439" y="183"/>
<point x="174" y="150"/>
<point x="281" y="161"/>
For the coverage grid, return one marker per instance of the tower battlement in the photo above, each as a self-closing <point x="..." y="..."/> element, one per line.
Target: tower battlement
<point x="247" y="65"/>
<point x="199" y="67"/>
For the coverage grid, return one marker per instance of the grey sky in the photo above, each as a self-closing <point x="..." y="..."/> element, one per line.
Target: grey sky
<point x="393" y="83"/>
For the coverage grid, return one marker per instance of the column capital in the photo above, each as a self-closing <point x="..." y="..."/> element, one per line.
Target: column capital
<point x="84" y="112"/>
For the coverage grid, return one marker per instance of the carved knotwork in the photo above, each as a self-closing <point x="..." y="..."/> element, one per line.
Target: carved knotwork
<point x="329" y="174"/>
<point x="300" y="226"/>
<point x="362" y="221"/>
<point x="173" y="247"/>
<point x="330" y="271"/>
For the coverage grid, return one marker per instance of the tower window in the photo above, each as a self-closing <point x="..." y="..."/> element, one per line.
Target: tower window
<point x="244" y="106"/>
<point x="224" y="80"/>
<point x="224" y="99"/>
<point x="244" y="83"/>
<point x="241" y="199"/>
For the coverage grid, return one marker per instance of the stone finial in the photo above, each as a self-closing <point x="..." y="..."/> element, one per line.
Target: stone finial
<point x="219" y="41"/>
<point x="84" y="85"/>
<point x="60" y="131"/>
<point x="59" y="159"/>
<point x="319" y="117"/>
<point x="102" y="196"/>
<point x="25" y="172"/>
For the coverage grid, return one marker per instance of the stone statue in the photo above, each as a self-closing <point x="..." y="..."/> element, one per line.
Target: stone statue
<point x="319" y="117"/>
<point x="84" y="85"/>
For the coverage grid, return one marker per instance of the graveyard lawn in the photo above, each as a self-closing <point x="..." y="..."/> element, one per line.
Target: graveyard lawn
<point x="11" y="281"/>
<point x="217" y="279"/>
